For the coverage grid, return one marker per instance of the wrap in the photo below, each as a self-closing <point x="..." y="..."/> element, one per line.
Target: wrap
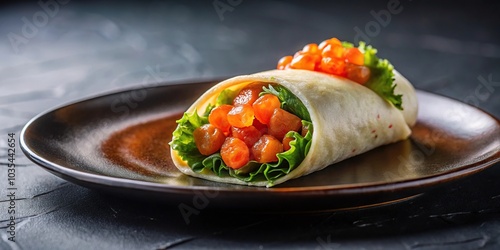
<point x="348" y="118"/>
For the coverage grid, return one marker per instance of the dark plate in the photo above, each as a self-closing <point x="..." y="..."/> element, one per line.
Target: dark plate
<point x="118" y="143"/>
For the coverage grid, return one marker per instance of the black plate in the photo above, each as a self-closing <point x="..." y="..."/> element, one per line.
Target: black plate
<point x="118" y="143"/>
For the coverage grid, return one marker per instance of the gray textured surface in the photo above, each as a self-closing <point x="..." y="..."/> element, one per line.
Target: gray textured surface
<point x="87" y="49"/>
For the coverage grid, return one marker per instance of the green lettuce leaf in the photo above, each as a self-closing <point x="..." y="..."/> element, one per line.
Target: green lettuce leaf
<point x="183" y="140"/>
<point x="382" y="75"/>
<point x="289" y="101"/>
<point x="226" y="97"/>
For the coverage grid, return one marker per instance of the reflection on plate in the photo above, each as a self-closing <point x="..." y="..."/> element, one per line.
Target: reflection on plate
<point x="119" y="143"/>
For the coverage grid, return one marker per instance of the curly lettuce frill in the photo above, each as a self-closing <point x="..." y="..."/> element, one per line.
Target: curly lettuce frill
<point x="382" y="74"/>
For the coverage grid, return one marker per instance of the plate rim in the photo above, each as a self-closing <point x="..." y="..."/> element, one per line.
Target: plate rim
<point x="69" y="174"/>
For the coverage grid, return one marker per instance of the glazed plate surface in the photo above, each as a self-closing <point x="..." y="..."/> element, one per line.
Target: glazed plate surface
<point x="118" y="143"/>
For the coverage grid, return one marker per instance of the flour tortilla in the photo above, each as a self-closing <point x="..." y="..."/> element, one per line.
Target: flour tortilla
<point x="348" y="118"/>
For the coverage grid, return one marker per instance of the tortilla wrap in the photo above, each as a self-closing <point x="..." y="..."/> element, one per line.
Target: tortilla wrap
<point x="348" y="118"/>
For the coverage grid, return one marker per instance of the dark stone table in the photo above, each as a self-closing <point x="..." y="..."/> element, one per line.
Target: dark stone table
<point x="56" y="52"/>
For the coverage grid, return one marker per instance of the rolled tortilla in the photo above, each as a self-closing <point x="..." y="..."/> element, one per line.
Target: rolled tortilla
<point x="348" y="118"/>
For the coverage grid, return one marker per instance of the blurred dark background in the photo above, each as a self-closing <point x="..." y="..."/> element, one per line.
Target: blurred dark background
<point x="109" y="44"/>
